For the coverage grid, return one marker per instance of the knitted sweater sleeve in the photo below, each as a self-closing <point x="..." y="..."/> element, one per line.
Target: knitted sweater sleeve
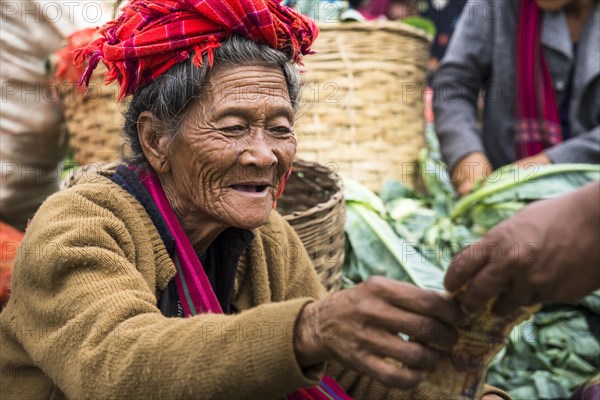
<point x="84" y="309"/>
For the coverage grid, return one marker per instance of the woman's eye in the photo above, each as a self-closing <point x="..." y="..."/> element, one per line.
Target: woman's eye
<point x="234" y="128"/>
<point x="282" y="130"/>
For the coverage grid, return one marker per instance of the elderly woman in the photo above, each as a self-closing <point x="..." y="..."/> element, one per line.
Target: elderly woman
<point x="186" y="228"/>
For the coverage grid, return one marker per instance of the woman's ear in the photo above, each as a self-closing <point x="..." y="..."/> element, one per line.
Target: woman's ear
<point x="153" y="142"/>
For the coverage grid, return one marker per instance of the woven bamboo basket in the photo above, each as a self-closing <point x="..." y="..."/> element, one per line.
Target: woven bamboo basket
<point x="313" y="204"/>
<point x="93" y="118"/>
<point x="362" y="103"/>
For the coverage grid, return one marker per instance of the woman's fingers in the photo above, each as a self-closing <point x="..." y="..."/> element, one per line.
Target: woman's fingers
<point x="492" y="396"/>
<point x="408" y="297"/>
<point x="420" y="328"/>
<point x="389" y="373"/>
<point x="410" y="354"/>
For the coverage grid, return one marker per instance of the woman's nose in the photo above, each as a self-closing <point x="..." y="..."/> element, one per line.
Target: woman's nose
<point x="259" y="152"/>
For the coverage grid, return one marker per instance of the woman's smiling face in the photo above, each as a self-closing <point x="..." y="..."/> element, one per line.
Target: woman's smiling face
<point x="236" y="145"/>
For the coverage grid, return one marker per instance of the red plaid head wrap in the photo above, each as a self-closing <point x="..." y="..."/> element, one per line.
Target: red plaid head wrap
<point x="151" y="36"/>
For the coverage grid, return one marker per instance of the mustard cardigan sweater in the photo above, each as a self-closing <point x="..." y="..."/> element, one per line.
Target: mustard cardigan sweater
<point x="83" y="322"/>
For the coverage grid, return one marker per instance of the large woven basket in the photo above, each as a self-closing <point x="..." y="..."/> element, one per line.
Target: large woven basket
<point x="313" y="204"/>
<point x="93" y="117"/>
<point x="93" y="121"/>
<point x="362" y="109"/>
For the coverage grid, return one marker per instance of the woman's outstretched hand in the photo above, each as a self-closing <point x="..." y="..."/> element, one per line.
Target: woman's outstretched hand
<point x="359" y="327"/>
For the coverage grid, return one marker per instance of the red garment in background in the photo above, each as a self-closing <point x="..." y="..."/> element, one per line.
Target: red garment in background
<point x="537" y="121"/>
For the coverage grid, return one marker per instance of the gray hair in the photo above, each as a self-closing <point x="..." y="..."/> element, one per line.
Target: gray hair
<point x="168" y="96"/>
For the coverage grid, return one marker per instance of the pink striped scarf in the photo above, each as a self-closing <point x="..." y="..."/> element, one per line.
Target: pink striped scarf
<point x="195" y="291"/>
<point x="537" y="121"/>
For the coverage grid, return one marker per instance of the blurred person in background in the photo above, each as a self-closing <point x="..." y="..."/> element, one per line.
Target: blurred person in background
<point x="539" y="63"/>
<point x="400" y="9"/>
<point x="445" y="15"/>
<point x="32" y="140"/>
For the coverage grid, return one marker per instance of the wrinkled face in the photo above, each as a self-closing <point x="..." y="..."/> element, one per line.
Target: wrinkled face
<point x="237" y="144"/>
<point x="552" y="5"/>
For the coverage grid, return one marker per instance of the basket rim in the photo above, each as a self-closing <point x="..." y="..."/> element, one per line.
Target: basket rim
<point x="333" y="200"/>
<point x="393" y="26"/>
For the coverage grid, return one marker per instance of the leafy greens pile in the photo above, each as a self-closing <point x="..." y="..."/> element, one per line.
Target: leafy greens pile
<point x="411" y="236"/>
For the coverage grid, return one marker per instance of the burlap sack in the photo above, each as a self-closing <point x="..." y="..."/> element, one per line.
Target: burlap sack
<point x="32" y="141"/>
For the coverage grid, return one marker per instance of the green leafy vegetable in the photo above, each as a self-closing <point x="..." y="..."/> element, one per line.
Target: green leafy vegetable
<point x="378" y="250"/>
<point x="559" y="352"/>
<point x="513" y="184"/>
<point x="424" y="24"/>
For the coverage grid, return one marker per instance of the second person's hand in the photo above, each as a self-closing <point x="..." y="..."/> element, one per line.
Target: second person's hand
<point x="548" y="252"/>
<point x="469" y="170"/>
